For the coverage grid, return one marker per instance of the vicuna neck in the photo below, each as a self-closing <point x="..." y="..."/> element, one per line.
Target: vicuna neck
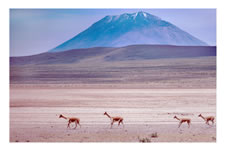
<point x="177" y="118"/>
<point x="202" y="117"/>
<point x="64" y="117"/>
<point x="108" y="115"/>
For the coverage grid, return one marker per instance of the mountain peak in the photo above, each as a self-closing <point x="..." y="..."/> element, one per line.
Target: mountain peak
<point x="133" y="16"/>
<point x="146" y="15"/>
<point x="130" y="29"/>
<point x="140" y="13"/>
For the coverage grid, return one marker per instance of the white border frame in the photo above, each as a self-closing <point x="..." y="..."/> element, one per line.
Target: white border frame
<point x="4" y="12"/>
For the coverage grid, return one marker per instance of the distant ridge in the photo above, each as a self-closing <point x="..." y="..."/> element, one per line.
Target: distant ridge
<point x="130" y="29"/>
<point x="132" y="52"/>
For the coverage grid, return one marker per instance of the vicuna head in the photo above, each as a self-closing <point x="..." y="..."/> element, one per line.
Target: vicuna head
<point x="60" y="116"/>
<point x="175" y="116"/>
<point x="199" y="115"/>
<point x="105" y="113"/>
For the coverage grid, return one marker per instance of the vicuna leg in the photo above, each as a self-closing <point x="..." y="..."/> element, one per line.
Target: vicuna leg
<point x="79" y="124"/>
<point x="68" y="126"/>
<point x="213" y="121"/>
<point x="111" y="124"/>
<point x="122" y="123"/>
<point x="179" y="125"/>
<point x="189" y="124"/>
<point x="75" y="125"/>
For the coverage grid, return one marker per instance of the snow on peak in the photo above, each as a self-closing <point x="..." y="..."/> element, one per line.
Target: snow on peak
<point x="116" y="17"/>
<point x="134" y="15"/>
<point x="131" y="16"/>
<point x="145" y="14"/>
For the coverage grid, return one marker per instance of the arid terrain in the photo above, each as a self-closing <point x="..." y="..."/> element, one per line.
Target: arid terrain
<point x="146" y="93"/>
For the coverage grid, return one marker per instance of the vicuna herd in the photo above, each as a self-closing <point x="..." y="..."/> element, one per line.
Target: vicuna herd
<point x="120" y="120"/>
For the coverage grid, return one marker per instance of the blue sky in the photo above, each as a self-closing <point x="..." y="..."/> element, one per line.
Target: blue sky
<point x="34" y="31"/>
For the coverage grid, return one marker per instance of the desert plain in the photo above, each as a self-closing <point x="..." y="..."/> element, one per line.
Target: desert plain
<point x="147" y="94"/>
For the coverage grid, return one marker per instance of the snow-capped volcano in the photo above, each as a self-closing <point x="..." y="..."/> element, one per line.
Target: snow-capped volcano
<point x="130" y="29"/>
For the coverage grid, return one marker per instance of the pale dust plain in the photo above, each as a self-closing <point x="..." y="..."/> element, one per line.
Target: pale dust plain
<point x="147" y="94"/>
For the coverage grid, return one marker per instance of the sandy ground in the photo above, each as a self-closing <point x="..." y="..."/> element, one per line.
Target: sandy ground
<point x="103" y="133"/>
<point x="34" y="112"/>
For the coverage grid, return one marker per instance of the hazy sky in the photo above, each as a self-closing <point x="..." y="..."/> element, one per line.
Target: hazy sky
<point x="34" y="31"/>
